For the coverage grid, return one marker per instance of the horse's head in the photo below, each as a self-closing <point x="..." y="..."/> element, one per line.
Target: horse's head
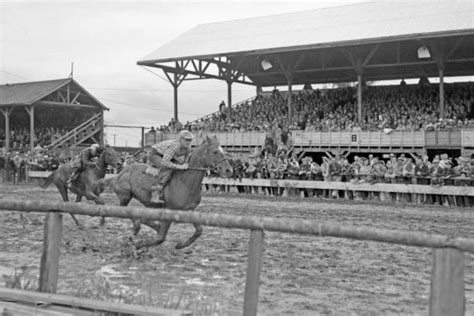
<point x="111" y="158"/>
<point x="211" y="155"/>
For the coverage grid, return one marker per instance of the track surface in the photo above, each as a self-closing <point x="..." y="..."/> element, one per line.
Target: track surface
<point x="301" y="275"/>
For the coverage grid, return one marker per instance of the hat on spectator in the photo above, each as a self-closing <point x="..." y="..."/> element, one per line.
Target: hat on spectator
<point x="444" y="156"/>
<point x="185" y="134"/>
<point x="95" y="146"/>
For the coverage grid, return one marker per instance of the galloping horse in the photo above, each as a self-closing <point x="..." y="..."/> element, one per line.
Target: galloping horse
<point x="183" y="191"/>
<point x="89" y="183"/>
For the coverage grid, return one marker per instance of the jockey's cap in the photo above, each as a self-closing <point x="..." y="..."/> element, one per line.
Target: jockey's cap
<point x="95" y="146"/>
<point x="185" y="134"/>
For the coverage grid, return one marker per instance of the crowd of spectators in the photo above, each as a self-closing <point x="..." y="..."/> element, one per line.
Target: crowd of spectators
<point x="20" y="137"/>
<point x="404" y="169"/>
<point x="383" y="108"/>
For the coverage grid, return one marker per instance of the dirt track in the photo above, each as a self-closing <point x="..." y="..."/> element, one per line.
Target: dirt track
<point x="300" y="275"/>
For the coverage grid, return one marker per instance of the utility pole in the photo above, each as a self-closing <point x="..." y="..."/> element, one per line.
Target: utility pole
<point x="114" y="139"/>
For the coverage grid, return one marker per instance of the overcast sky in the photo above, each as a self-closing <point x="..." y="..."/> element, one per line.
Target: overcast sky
<point x="104" y="39"/>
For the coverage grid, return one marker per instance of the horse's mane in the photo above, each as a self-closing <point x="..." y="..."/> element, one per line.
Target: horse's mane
<point x="195" y="159"/>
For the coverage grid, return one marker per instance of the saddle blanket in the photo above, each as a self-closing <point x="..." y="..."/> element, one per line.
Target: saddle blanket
<point x="152" y="171"/>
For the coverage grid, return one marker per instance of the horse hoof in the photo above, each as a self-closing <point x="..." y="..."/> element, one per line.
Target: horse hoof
<point x="180" y="246"/>
<point x="140" y="245"/>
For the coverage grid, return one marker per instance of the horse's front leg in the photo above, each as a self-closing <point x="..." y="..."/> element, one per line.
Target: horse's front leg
<point x="90" y="195"/>
<point x="195" y="236"/>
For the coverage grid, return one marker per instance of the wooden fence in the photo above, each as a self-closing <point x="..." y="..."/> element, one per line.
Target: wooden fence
<point x="416" y="191"/>
<point x="447" y="279"/>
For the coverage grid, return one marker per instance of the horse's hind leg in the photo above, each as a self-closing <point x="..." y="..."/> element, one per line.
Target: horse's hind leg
<point x="124" y="199"/>
<point x="78" y="199"/>
<point x="162" y="230"/>
<point x="195" y="236"/>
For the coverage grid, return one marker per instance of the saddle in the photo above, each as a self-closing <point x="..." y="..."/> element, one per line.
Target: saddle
<point x="153" y="171"/>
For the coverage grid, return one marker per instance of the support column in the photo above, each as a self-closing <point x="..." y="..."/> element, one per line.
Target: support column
<point x="441" y="91"/>
<point x="6" y="113"/>
<point x="175" y="88"/>
<point x="290" y="92"/>
<point x="229" y="93"/>
<point x="258" y="90"/>
<point x="359" y="97"/>
<point x="31" y="113"/>
<point x="179" y="74"/>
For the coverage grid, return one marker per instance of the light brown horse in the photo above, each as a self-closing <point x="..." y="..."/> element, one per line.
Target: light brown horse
<point x="183" y="191"/>
<point x="89" y="183"/>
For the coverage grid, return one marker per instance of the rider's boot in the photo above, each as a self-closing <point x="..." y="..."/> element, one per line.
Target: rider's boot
<point x="156" y="190"/>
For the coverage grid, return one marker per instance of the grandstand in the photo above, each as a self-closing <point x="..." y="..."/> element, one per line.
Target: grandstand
<point x="359" y="44"/>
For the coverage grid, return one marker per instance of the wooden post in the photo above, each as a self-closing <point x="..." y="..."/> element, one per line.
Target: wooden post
<point x="359" y="98"/>
<point x="254" y="265"/>
<point x="49" y="269"/>
<point x="447" y="283"/>
<point x="229" y="94"/>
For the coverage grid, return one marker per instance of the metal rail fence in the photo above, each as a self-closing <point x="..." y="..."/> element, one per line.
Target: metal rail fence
<point x="447" y="280"/>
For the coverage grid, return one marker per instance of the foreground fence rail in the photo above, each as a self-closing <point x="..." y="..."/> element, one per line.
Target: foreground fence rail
<point x="447" y="280"/>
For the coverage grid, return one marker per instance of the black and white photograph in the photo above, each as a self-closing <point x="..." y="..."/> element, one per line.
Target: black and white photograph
<point x="241" y="157"/>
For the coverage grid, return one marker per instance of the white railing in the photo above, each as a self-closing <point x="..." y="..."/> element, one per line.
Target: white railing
<point x="397" y="138"/>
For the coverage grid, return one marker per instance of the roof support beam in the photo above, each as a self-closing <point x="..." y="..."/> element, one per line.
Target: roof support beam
<point x="6" y="113"/>
<point x="201" y="74"/>
<point x="371" y="54"/>
<point x="31" y="112"/>
<point x="68" y="105"/>
<point x="356" y="61"/>
<point x="178" y="78"/>
<point x="288" y="69"/>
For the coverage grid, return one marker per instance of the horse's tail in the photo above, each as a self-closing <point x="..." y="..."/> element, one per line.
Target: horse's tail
<point x="48" y="181"/>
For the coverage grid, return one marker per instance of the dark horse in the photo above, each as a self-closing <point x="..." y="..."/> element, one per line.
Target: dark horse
<point x="89" y="183"/>
<point x="183" y="191"/>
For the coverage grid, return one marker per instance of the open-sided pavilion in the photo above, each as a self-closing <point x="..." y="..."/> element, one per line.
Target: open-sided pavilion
<point x="52" y="103"/>
<point x="360" y="42"/>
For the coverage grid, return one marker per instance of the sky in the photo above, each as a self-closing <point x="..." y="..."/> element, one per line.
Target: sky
<point x="40" y="40"/>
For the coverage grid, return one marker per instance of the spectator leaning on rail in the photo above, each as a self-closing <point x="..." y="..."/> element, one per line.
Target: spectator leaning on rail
<point x="167" y="156"/>
<point x="85" y="158"/>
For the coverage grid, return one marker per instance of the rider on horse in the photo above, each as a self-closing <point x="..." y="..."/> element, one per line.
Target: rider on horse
<point x="167" y="156"/>
<point x="85" y="158"/>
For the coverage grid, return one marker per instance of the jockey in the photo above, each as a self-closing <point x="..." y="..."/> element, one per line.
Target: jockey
<point x="167" y="156"/>
<point x="85" y="158"/>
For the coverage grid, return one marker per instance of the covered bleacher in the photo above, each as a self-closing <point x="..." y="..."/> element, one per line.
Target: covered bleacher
<point x="356" y="43"/>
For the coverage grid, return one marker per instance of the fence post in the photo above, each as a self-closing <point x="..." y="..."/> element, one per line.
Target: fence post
<point x="254" y="265"/>
<point x="49" y="268"/>
<point x="447" y="283"/>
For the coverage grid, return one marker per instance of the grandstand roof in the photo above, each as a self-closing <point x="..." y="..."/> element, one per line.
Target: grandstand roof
<point x="313" y="28"/>
<point x="28" y="93"/>
<point x="322" y="45"/>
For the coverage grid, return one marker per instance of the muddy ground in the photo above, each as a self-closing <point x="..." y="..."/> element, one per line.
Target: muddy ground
<point x="301" y="275"/>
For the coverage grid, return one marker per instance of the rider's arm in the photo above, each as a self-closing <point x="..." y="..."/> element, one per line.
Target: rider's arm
<point x="86" y="158"/>
<point x="168" y="156"/>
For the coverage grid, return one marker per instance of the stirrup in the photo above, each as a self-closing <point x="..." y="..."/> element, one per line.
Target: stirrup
<point x="156" y="187"/>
